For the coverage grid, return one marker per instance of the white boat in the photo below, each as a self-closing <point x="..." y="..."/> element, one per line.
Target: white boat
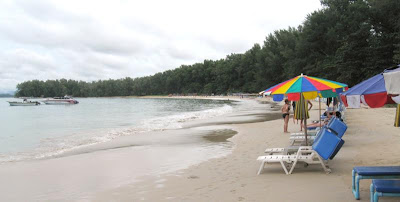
<point x="25" y="102"/>
<point x="66" y="100"/>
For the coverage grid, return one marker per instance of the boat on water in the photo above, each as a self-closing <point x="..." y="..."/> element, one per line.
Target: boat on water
<point x="66" y="100"/>
<point x="25" y="102"/>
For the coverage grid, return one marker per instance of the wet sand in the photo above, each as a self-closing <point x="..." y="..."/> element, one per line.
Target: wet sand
<point x="370" y="140"/>
<point x="84" y="173"/>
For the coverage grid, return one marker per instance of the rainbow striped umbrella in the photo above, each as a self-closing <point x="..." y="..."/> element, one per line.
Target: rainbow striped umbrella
<point x="307" y="85"/>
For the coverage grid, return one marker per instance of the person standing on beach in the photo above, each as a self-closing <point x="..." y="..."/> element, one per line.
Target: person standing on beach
<point x="294" y="106"/>
<point x="285" y="114"/>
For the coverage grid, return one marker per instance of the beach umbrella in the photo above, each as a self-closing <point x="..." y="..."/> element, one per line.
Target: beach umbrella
<point x="376" y="91"/>
<point x="392" y="85"/>
<point x="392" y="82"/>
<point x="371" y="92"/>
<point x="305" y="87"/>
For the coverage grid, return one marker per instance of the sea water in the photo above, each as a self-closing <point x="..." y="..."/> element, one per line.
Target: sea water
<point x="34" y="132"/>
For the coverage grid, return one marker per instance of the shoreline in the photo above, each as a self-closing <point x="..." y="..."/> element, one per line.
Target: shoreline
<point x="48" y="153"/>
<point x="77" y="172"/>
<point x="155" y="96"/>
<point x="230" y="175"/>
<point x="234" y="178"/>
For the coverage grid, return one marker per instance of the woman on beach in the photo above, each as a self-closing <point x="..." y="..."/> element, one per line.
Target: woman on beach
<point x="285" y="114"/>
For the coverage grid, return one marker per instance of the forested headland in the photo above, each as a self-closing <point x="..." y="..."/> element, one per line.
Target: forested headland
<point x="6" y="95"/>
<point x="346" y="41"/>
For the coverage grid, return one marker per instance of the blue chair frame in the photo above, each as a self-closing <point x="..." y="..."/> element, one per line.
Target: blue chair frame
<point x="376" y="194"/>
<point x="356" y="177"/>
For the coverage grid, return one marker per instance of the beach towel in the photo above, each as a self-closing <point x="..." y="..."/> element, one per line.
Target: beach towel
<point x="392" y="82"/>
<point x="353" y="101"/>
<point x="299" y="111"/>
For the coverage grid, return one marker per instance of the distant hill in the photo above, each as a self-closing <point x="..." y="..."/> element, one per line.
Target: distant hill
<point x="6" y="95"/>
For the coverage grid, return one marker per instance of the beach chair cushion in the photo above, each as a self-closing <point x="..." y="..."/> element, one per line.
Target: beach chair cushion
<point x="325" y="145"/>
<point x="386" y="186"/>
<point x="318" y="136"/>
<point x="377" y="170"/>
<point x="337" y="126"/>
<point x="341" y="143"/>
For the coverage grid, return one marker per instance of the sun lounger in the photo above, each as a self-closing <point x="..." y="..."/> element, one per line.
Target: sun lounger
<point x="372" y="172"/>
<point x="292" y="148"/>
<point x="337" y="126"/>
<point x="324" y="148"/>
<point x="311" y="132"/>
<point x="384" y="188"/>
<point x="300" y="140"/>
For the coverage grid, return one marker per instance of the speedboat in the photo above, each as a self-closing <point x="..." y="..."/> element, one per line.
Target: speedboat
<point x="66" y="100"/>
<point x="25" y="102"/>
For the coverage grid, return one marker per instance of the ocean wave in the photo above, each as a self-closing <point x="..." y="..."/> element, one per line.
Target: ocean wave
<point x="53" y="147"/>
<point x="176" y="121"/>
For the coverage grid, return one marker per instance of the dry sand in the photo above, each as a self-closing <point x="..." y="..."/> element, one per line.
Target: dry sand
<point x="371" y="139"/>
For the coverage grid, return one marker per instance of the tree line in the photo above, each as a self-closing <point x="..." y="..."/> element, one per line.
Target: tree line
<point x="346" y="41"/>
<point x="6" y="95"/>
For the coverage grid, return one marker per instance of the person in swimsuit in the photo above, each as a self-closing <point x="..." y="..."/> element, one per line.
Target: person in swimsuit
<point x="285" y="115"/>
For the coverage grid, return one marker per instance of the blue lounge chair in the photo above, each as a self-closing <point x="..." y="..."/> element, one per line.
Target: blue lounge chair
<point x="372" y="172"/>
<point x="335" y="125"/>
<point x="324" y="148"/>
<point x="384" y="188"/>
<point x="312" y="131"/>
<point x="312" y="128"/>
<point x="292" y="148"/>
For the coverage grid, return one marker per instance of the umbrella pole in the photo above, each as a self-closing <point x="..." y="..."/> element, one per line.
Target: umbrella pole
<point x="320" y="124"/>
<point x="305" y="117"/>
<point x="397" y="117"/>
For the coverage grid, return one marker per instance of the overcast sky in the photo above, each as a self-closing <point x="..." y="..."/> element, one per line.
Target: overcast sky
<point x="91" y="40"/>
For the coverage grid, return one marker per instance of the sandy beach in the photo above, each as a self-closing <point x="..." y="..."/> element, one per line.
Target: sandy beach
<point x="371" y="139"/>
<point x="195" y="101"/>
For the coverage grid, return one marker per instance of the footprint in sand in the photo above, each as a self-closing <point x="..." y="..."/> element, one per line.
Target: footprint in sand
<point x="193" y="177"/>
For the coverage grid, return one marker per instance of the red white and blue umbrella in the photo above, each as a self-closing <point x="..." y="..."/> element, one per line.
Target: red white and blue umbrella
<point x="371" y="92"/>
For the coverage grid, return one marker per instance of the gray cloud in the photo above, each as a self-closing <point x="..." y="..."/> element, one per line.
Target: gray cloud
<point x="91" y="40"/>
